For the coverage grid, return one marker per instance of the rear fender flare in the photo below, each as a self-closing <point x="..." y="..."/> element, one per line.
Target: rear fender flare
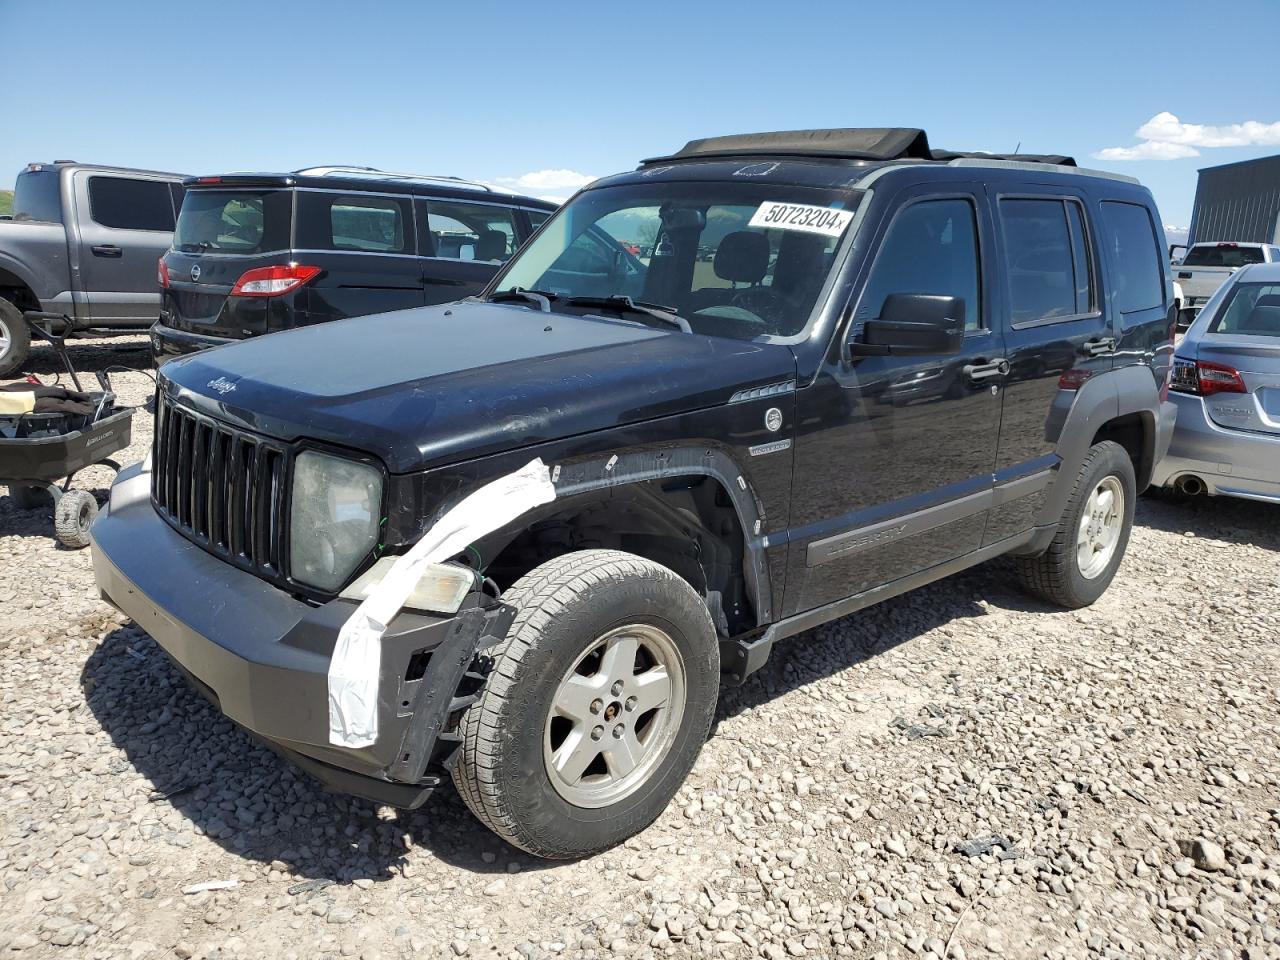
<point x="1101" y="399"/>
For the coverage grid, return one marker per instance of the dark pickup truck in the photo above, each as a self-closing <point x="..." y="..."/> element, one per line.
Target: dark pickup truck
<point x="83" y="241"/>
<point x="521" y="539"/>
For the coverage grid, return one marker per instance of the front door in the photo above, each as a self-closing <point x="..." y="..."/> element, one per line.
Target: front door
<point x="894" y="454"/>
<point x="125" y="226"/>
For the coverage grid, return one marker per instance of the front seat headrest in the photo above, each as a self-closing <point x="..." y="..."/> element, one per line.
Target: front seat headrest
<point x="492" y="245"/>
<point x="742" y="257"/>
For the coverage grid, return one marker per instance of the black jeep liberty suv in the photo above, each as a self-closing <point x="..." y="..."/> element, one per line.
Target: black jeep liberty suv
<point x="774" y="378"/>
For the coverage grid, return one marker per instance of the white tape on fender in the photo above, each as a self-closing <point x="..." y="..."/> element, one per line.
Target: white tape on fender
<point x="357" y="656"/>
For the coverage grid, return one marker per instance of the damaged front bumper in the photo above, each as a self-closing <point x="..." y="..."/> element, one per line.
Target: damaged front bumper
<point x="262" y="656"/>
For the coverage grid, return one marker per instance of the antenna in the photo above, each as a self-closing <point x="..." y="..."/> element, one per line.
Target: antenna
<point x="1017" y="148"/>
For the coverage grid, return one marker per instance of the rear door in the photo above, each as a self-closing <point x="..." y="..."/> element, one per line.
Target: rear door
<point x="1245" y="336"/>
<point x="366" y="245"/>
<point x="124" y="225"/>
<point x="1057" y="335"/>
<point x="465" y="242"/>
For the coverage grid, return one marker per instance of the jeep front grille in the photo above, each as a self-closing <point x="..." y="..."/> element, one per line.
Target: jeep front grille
<point x="223" y="488"/>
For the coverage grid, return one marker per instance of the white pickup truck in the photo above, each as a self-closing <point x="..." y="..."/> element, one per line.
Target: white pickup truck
<point x="1206" y="267"/>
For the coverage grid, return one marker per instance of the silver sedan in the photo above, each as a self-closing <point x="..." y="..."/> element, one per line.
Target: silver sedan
<point x="1226" y="384"/>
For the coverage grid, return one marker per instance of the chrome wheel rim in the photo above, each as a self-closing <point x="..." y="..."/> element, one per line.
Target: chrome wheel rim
<point x="6" y="339"/>
<point x="1100" y="528"/>
<point x="614" y="716"/>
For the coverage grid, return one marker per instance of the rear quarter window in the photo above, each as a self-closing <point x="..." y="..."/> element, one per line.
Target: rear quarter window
<point x="1137" y="281"/>
<point x="355" y="222"/>
<point x="233" y="221"/>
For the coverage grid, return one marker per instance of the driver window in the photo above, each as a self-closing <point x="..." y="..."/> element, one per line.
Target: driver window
<point x="931" y="247"/>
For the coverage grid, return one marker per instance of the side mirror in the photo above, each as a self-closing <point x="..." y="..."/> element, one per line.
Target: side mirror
<point x="913" y="324"/>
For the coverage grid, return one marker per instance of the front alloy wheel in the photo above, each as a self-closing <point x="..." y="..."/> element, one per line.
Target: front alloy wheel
<point x="614" y="715"/>
<point x="596" y="705"/>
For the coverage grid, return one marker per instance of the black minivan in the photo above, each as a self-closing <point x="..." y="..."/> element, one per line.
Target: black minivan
<point x="259" y="252"/>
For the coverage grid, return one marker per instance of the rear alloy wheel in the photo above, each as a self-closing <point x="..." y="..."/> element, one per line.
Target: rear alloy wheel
<point x="596" y="707"/>
<point x="15" y="338"/>
<point x="1089" y="544"/>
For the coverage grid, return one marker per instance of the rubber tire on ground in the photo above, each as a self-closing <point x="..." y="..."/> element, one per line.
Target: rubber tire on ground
<point x="19" y="338"/>
<point x="1055" y="574"/>
<point x="562" y="606"/>
<point x="27" y="496"/>
<point x="72" y="518"/>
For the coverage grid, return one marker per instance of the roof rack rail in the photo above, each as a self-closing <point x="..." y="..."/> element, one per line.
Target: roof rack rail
<point x="373" y="173"/>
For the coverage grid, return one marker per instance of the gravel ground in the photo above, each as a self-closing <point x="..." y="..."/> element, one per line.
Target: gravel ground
<point x="958" y="771"/>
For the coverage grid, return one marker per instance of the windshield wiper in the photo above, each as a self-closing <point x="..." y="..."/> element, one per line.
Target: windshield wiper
<point x="200" y="246"/>
<point x="540" y="297"/>
<point x="625" y="304"/>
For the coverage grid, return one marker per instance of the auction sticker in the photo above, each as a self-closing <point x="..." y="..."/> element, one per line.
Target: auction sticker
<point x="801" y="216"/>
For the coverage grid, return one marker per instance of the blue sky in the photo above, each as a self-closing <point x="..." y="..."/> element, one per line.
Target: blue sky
<point x="514" y="92"/>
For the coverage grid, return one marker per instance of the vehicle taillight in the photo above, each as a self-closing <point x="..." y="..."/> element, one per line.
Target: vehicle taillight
<point x="1073" y="379"/>
<point x="1205" y="378"/>
<point x="273" y="281"/>
<point x="162" y="274"/>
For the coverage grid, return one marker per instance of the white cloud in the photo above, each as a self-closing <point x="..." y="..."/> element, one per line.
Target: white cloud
<point x="1150" y="150"/>
<point x="1165" y="137"/>
<point x="1166" y="128"/>
<point x="537" y="181"/>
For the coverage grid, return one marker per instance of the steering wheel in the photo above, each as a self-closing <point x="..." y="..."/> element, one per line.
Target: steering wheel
<point x="764" y="302"/>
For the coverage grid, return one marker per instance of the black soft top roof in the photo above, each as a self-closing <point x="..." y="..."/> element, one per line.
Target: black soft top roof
<point x="844" y="143"/>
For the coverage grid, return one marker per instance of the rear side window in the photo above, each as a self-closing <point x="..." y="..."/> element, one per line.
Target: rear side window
<point x="1136" y="253"/>
<point x="125" y="204"/>
<point x="355" y="221"/>
<point x="233" y="221"/>
<point x="36" y="196"/>
<point x="1047" y="260"/>
<point x="1223" y="255"/>
<point x="537" y="217"/>
<point x="471" y="231"/>
<point x="931" y="247"/>
<point x="1251" y="309"/>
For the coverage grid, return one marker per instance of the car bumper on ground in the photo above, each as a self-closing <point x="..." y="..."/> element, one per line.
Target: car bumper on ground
<point x="262" y="656"/>
<point x="1234" y="463"/>
<point x="169" y="342"/>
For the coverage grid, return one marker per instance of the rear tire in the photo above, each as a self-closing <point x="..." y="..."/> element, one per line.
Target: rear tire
<point x="26" y="496"/>
<point x="596" y="708"/>
<point x="75" y="514"/>
<point x="15" y="338"/>
<point x="1092" y="535"/>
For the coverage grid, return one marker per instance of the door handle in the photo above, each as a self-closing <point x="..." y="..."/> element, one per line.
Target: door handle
<point x="106" y="250"/>
<point x="1098" y="347"/>
<point x="986" y="369"/>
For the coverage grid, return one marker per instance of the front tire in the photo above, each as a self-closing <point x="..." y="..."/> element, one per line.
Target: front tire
<point x="1092" y="535"/>
<point x="596" y="707"/>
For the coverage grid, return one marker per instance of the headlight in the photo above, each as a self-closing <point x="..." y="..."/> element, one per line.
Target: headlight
<point x="333" y="521"/>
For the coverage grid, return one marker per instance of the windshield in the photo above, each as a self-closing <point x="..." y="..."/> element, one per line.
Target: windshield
<point x="1222" y="255"/>
<point x="739" y="260"/>
<point x="1251" y="309"/>
<point x="233" y="221"/>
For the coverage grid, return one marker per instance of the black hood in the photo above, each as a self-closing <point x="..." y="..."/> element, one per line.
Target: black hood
<point x="436" y="385"/>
